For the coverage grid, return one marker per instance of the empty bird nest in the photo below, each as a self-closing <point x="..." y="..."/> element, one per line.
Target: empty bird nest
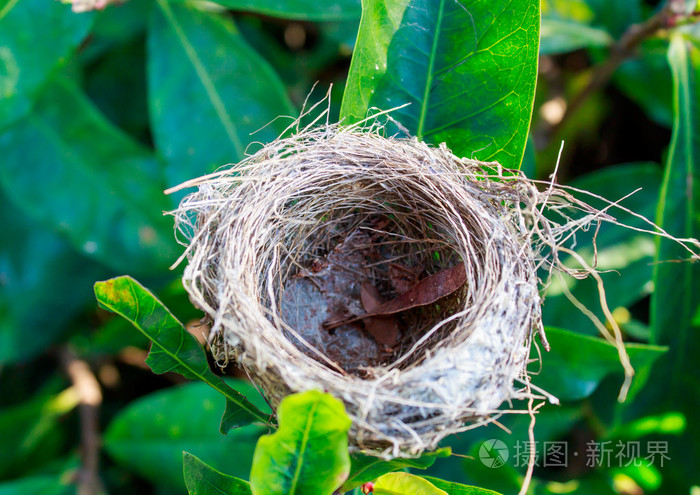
<point x="393" y="275"/>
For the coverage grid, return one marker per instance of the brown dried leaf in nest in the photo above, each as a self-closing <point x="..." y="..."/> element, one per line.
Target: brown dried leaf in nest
<point x="429" y="290"/>
<point x="403" y="278"/>
<point x="384" y="329"/>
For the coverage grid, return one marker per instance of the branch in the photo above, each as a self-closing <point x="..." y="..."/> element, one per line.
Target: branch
<point x="90" y="396"/>
<point x="668" y="16"/>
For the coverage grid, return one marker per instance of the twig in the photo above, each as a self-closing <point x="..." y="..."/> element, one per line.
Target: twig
<point x="621" y="50"/>
<point x="531" y="439"/>
<point x="90" y="395"/>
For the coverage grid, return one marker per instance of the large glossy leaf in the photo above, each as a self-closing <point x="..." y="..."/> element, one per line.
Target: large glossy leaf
<point x="577" y="364"/>
<point x="405" y="484"/>
<point x="626" y="255"/>
<point x="364" y="468"/>
<point x="66" y="166"/>
<point x="173" y="348"/>
<point x="26" y="60"/>
<point x="26" y="430"/>
<point x="309" y="451"/>
<point x="677" y="283"/>
<point x="208" y="91"/>
<point x="305" y="10"/>
<point x="36" y="265"/>
<point x="467" y="68"/>
<point x="150" y="435"/>
<point x="202" y="479"/>
<point x="458" y="489"/>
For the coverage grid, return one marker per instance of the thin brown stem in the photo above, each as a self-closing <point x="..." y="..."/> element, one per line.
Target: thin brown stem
<point x="90" y="396"/>
<point x="532" y="458"/>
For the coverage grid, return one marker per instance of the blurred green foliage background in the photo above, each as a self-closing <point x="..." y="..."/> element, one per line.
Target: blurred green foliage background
<point x="100" y="112"/>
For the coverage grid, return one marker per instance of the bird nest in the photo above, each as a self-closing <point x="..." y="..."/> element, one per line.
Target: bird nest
<point x="393" y="275"/>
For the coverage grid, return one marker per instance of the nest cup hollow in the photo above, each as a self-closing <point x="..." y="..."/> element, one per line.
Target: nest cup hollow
<point x="259" y="232"/>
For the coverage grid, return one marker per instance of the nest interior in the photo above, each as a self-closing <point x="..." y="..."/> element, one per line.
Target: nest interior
<point x="300" y="233"/>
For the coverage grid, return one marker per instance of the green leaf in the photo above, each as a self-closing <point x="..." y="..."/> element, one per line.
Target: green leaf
<point x="36" y="265"/>
<point x="303" y="10"/>
<point x="405" y="484"/>
<point x="64" y="165"/>
<point x="234" y="416"/>
<point x="677" y="294"/>
<point x="208" y="92"/>
<point x="38" y="485"/>
<point x="577" y="363"/>
<point x="173" y="348"/>
<point x="458" y="489"/>
<point x="468" y="70"/>
<point x="308" y="453"/>
<point x="26" y="60"/>
<point x="150" y="435"/>
<point x="26" y="429"/>
<point x="201" y="479"/>
<point x="561" y="36"/>
<point x="365" y="468"/>
<point x="116" y="333"/>
<point x="677" y="283"/>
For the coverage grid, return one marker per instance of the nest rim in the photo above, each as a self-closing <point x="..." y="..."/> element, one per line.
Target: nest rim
<point x="398" y="412"/>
